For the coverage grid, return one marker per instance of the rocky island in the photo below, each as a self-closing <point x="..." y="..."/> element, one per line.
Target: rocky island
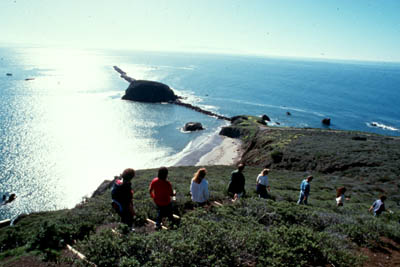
<point x="156" y="92"/>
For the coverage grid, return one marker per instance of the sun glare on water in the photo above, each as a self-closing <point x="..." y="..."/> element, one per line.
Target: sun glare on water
<point x="77" y="131"/>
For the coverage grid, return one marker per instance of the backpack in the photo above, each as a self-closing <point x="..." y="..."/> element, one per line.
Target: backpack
<point x="115" y="192"/>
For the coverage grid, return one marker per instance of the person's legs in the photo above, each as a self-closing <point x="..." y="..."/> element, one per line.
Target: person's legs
<point x="263" y="193"/>
<point x="301" y="198"/>
<point x="127" y="216"/>
<point x="168" y="213"/>
<point x="159" y="216"/>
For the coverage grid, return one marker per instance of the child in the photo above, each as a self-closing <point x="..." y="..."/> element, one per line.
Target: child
<point x="340" y="196"/>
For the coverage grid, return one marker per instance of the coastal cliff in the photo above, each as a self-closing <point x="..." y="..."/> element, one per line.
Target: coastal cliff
<point x="364" y="156"/>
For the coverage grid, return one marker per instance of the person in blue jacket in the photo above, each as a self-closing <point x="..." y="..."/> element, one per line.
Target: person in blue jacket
<point x="305" y="190"/>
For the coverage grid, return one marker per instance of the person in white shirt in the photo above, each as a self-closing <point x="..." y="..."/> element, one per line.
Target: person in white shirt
<point x="262" y="184"/>
<point x="199" y="187"/>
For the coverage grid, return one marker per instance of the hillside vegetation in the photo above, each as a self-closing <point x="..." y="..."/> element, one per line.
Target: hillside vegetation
<point x="248" y="232"/>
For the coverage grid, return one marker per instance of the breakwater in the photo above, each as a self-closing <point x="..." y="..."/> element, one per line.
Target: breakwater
<point x="178" y="102"/>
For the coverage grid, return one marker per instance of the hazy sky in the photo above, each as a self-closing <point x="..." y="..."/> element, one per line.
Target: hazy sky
<point x="347" y="29"/>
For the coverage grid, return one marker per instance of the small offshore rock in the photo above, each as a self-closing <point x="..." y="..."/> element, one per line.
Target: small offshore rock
<point x="193" y="126"/>
<point x="265" y="118"/>
<point x="359" y="138"/>
<point x="326" y="121"/>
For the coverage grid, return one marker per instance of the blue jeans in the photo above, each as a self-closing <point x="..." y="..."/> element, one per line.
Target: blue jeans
<point x="301" y="199"/>
<point x="164" y="211"/>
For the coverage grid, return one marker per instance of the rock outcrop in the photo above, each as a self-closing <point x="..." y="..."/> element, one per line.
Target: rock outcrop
<point x="149" y="91"/>
<point x="265" y="118"/>
<point x="326" y="121"/>
<point x="193" y="126"/>
<point x="156" y="92"/>
<point x="105" y="185"/>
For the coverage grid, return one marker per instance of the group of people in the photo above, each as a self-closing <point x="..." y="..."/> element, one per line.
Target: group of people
<point x="377" y="207"/>
<point x="160" y="190"/>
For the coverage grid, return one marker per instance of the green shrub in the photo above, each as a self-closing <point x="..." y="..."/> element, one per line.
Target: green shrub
<point x="276" y="156"/>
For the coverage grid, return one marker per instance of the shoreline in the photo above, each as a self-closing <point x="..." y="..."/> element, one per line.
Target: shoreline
<point x="217" y="150"/>
<point x="227" y="153"/>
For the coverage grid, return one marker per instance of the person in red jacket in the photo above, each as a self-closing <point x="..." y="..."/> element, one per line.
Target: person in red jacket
<point x="161" y="191"/>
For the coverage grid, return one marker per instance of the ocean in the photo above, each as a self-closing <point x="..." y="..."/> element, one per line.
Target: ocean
<point x="64" y="128"/>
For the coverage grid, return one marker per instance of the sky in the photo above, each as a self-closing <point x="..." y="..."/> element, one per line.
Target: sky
<point x="340" y="29"/>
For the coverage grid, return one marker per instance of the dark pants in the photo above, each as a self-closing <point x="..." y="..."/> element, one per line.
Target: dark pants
<point x="262" y="191"/>
<point x="126" y="212"/>
<point x="162" y="212"/>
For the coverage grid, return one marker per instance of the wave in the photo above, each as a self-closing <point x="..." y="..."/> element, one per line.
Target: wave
<point x="382" y="126"/>
<point x="196" y="148"/>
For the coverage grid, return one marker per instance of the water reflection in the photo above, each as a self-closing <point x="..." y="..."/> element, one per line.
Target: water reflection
<point x="66" y="131"/>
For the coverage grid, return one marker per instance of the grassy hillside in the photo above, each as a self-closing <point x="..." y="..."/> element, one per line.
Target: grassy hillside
<point x="371" y="160"/>
<point x="248" y="232"/>
<point x="252" y="231"/>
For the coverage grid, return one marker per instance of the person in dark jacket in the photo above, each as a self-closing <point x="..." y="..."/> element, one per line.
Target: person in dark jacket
<point x="122" y="196"/>
<point x="237" y="183"/>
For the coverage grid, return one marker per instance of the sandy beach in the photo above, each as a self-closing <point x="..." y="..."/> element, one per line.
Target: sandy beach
<point x="218" y="150"/>
<point x="228" y="152"/>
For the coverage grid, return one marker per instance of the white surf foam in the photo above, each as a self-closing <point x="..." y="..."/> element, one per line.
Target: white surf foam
<point x="382" y="126"/>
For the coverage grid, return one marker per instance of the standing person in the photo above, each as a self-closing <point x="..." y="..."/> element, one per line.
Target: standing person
<point x="237" y="182"/>
<point x="199" y="187"/>
<point x="305" y="190"/>
<point x="161" y="191"/>
<point x="378" y="206"/>
<point x="122" y="196"/>
<point x="262" y="184"/>
<point x="340" y="196"/>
